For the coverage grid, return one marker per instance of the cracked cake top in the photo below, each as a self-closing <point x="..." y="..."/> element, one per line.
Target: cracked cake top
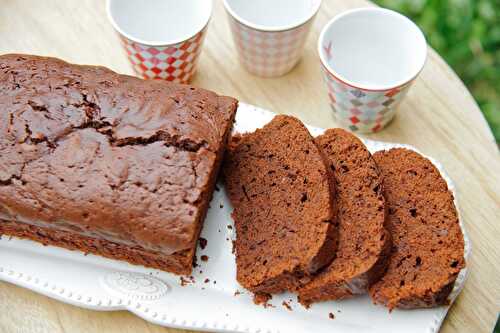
<point x="98" y="153"/>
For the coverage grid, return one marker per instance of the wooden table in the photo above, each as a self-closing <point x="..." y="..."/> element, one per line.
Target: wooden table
<point x="439" y="117"/>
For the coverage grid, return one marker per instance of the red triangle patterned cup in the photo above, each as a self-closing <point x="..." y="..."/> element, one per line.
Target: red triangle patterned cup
<point x="369" y="57"/>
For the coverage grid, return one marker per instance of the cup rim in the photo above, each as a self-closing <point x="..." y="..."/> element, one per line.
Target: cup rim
<point x="156" y="43"/>
<point x="350" y="83"/>
<point x="265" y="28"/>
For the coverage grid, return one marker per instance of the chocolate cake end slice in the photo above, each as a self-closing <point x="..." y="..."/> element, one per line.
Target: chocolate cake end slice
<point x="428" y="246"/>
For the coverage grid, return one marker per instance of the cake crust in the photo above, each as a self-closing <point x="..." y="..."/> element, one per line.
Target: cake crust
<point x="428" y="247"/>
<point x="284" y="211"/>
<point x="106" y="156"/>
<point x="177" y="263"/>
<point x="363" y="240"/>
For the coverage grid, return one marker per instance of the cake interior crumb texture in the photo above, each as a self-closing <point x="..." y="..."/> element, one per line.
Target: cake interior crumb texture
<point x="277" y="182"/>
<point x="428" y="247"/>
<point x="363" y="240"/>
<point x="107" y="163"/>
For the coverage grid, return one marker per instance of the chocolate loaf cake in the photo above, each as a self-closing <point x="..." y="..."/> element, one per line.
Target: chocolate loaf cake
<point x="363" y="240"/>
<point x="107" y="163"/>
<point x="278" y="184"/>
<point x="428" y="246"/>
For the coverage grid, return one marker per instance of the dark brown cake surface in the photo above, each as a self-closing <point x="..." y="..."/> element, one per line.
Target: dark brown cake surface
<point x="428" y="246"/>
<point x="108" y="156"/>
<point x="278" y="184"/>
<point x="363" y="240"/>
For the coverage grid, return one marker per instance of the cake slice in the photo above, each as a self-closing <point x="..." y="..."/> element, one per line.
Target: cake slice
<point x="363" y="240"/>
<point x="278" y="184"/>
<point x="428" y="246"/>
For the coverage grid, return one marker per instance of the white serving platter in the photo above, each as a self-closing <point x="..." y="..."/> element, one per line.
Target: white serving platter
<point x="207" y="300"/>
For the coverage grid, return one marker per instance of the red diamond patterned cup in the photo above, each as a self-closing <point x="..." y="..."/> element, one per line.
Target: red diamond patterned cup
<point x="162" y="38"/>
<point x="269" y="35"/>
<point x="176" y="63"/>
<point x="369" y="57"/>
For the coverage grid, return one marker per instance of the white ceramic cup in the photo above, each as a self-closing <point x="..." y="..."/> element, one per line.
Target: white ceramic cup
<point x="370" y="57"/>
<point x="162" y="38"/>
<point x="270" y="34"/>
